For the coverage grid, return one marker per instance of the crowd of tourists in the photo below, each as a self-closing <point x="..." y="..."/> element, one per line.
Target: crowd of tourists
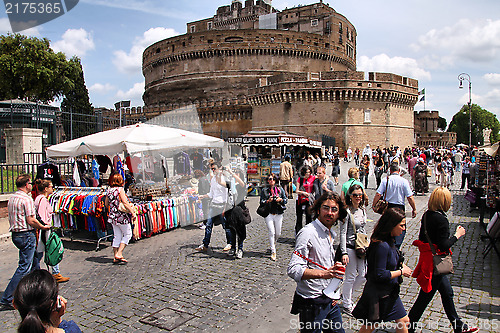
<point x="373" y="261"/>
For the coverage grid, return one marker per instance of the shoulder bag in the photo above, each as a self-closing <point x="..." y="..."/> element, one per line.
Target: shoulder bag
<point x="381" y="205"/>
<point x="443" y="263"/>
<point x="264" y="208"/>
<point x="362" y="242"/>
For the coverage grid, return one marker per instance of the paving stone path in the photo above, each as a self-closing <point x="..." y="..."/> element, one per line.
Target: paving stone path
<point x="193" y="292"/>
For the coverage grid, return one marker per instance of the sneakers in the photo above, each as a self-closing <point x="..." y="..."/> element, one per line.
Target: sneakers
<point x="202" y="226"/>
<point x="201" y="248"/>
<point x="347" y="311"/>
<point x="59" y="278"/>
<point x="273" y="256"/>
<point x="467" y="329"/>
<point x="231" y="252"/>
<point x="239" y="254"/>
<point x="6" y="307"/>
<point x="227" y="248"/>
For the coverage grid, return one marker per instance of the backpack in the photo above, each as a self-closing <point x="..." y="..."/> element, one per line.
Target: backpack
<point x="54" y="249"/>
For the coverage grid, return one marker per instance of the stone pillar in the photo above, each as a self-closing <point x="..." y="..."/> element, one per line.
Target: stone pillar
<point x="22" y="140"/>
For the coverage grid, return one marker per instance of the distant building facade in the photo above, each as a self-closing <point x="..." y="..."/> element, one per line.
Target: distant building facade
<point x="243" y="62"/>
<point x="427" y="132"/>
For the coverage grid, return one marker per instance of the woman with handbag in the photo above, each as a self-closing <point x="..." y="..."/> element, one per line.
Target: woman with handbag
<point x="380" y="299"/>
<point x="435" y="226"/>
<point x="304" y="189"/>
<point x="122" y="231"/>
<point x="274" y="196"/>
<point x="364" y="170"/>
<point x="45" y="211"/>
<point x="353" y="258"/>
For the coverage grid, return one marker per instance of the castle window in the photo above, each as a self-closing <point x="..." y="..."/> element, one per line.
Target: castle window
<point x="379" y="85"/>
<point x="192" y="28"/>
<point x="209" y="25"/>
<point x="210" y="41"/>
<point x="327" y="45"/>
<point x="158" y="50"/>
<point x="314" y="23"/>
<point x="368" y="116"/>
<point x="288" y="40"/>
<point x="300" y="41"/>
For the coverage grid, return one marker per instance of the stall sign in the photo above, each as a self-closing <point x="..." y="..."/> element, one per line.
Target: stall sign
<point x="315" y="143"/>
<point x="267" y="140"/>
<point x="288" y="140"/>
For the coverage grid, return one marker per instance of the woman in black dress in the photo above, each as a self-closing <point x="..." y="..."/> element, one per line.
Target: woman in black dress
<point x="380" y="299"/>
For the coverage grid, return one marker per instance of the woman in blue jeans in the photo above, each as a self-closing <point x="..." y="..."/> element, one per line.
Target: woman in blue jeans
<point x="438" y="230"/>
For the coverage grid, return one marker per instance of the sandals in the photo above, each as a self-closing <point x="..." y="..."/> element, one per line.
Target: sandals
<point x="120" y="261"/>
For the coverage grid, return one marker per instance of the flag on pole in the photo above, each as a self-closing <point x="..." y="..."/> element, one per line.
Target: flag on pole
<point x="422" y="92"/>
<point x="422" y="98"/>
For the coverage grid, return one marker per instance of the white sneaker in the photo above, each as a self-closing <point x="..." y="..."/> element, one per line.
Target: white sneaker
<point x="227" y="248"/>
<point x="273" y="256"/>
<point x="202" y="226"/>
<point x="239" y="254"/>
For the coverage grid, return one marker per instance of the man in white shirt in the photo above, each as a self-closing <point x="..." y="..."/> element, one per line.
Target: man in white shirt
<point x="218" y="195"/>
<point x="313" y="267"/>
<point x="398" y="190"/>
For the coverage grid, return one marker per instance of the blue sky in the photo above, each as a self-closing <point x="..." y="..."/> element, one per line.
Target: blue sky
<point x="429" y="40"/>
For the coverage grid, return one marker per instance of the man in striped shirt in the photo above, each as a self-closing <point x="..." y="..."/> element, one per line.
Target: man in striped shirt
<point x="23" y="223"/>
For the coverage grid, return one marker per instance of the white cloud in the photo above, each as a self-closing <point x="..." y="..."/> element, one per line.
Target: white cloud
<point x="144" y="6"/>
<point x="398" y="65"/>
<point x="99" y="88"/>
<point x="131" y="62"/>
<point x="492" y="78"/>
<point x="74" y="42"/>
<point x="133" y="93"/>
<point x="471" y="40"/>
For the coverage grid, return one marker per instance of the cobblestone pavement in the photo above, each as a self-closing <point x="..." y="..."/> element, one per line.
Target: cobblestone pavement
<point x="212" y="292"/>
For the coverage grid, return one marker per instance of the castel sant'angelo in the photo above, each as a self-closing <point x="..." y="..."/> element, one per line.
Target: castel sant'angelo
<point x="252" y="67"/>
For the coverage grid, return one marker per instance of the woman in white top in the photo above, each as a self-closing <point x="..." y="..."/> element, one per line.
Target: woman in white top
<point x="356" y="265"/>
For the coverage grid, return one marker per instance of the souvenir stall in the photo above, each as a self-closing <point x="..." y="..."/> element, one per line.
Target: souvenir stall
<point x="164" y="202"/>
<point x="266" y="150"/>
<point x="486" y="189"/>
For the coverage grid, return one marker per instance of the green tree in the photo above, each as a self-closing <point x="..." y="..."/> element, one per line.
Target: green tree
<point x="77" y="111"/>
<point x="442" y="123"/>
<point x="30" y="69"/>
<point x="481" y="119"/>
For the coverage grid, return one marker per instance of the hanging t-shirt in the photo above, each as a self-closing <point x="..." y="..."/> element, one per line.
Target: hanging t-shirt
<point x="197" y="159"/>
<point x="103" y="162"/>
<point x="50" y="172"/>
<point x="182" y="164"/>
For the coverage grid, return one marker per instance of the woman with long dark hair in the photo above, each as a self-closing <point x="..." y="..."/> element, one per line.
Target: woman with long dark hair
<point x="275" y="196"/>
<point x="41" y="307"/>
<point x="380" y="299"/>
<point x="438" y="230"/>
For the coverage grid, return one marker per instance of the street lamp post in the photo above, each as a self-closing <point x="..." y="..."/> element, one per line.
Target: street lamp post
<point x="461" y="78"/>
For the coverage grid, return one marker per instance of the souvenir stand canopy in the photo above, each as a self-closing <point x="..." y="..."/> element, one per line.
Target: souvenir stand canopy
<point x="156" y="215"/>
<point x="266" y="149"/>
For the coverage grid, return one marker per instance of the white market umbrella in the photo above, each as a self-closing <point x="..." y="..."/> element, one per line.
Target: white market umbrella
<point x="133" y="139"/>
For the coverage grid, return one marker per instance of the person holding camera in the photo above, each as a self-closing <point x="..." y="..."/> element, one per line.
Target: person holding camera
<point x="275" y="196"/>
<point x="41" y="307"/>
<point x="355" y="262"/>
<point x="380" y="299"/>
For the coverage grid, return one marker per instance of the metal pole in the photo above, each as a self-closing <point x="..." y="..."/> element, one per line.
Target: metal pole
<point x="461" y="78"/>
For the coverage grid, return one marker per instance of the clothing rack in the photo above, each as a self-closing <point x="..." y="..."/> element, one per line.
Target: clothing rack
<point x="60" y="190"/>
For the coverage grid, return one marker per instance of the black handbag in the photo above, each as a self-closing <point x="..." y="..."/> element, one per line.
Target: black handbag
<point x="264" y="209"/>
<point x="443" y="263"/>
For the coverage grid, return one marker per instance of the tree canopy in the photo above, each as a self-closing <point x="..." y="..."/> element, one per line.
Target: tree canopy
<point x="481" y="119"/>
<point x="442" y="123"/>
<point x="77" y="111"/>
<point x="30" y="69"/>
